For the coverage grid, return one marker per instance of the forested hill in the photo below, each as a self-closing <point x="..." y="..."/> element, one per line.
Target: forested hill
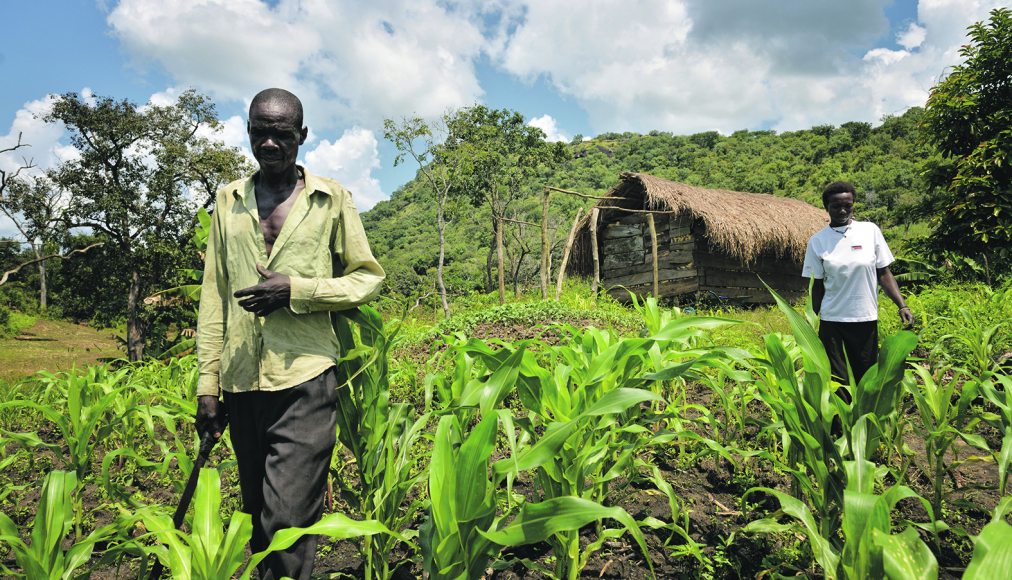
<point x="890" y="164"/>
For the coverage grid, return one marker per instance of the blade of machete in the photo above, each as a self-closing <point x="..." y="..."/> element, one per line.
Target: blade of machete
<point x="207" y="442"/>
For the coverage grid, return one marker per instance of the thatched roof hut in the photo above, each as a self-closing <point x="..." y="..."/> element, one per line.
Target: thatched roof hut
<point x="709" y="240"/>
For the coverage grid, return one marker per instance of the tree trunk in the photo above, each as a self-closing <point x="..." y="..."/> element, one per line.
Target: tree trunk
<point x="501" y="266"/>
<point x="440" y="226"/>
<point x="37" y="250"/>
<point x="488" y="263"/>
<point x="516" y="271"/>
<point x="565" y="253"/>
<point x="135" y="335"/>
<point x="43" y="290"/>
<point x="546" y="268"/>
<point x="594" y="253"/>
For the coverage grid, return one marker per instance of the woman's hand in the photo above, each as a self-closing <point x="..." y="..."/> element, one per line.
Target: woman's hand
<point x="907" y="316"/>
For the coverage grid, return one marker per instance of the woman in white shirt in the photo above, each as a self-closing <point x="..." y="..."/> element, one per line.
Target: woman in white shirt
<point x="848" y="260"/>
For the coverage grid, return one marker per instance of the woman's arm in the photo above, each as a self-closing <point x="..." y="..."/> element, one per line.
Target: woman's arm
<point x="892" y="290"/>
<point x="818" y="293"/>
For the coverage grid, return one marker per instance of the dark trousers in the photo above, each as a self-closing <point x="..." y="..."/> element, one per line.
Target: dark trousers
<point x="283" y="442"/>
<point x="859" y="340"/>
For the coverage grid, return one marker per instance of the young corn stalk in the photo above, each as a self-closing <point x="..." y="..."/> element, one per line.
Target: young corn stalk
<point x="590" y="407"/>
<point x="944" y="403"/>
<point x="210" y="550"/>
<point x="979" y="338"/>
<point x="996" y="390"/>
<point x="464" y="531"/>
<point x="85" y="418"/>
<point x="83" y="421"/>
<point x="805" y="407"/>
<point x="992" y="548"/>
<point x="381" y="435"/>
<point x="869" y="548"/>
<point x="44" y="556"/>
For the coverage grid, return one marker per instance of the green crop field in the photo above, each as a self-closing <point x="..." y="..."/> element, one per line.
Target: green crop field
<point x="556" y="440"/>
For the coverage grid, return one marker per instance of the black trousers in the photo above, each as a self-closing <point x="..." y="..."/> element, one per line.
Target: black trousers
<point x="859" y="340"/>
<point x="283" y="442"/>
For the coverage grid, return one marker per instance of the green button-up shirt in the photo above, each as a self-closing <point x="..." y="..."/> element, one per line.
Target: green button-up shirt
<point x="323" y="249"/>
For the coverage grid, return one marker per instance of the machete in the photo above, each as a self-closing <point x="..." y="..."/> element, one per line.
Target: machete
<point x="207" y="443"/>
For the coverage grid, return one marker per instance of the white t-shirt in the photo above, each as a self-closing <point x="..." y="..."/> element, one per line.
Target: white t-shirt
<point x="845" y="259"/>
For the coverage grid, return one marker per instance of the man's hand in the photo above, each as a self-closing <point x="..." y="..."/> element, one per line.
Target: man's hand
<point x="907" y="317"/>
<point x="211" y="416"/>
<point x="266" y="297"/>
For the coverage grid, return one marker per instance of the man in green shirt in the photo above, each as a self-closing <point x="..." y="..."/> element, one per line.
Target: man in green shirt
<point x="286" y="249"/>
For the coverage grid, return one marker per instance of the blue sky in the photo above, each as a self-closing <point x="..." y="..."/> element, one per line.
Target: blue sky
<point x="571" y="68"/>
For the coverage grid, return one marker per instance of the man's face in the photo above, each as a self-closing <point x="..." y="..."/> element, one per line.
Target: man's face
<point x="275" y="136"/>
<point x="841" y="208"/>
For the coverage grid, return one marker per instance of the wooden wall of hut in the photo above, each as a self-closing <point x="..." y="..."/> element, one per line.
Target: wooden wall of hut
<point x="687" y="263"/>
<point x="627" y="259"/>
<point x="740" y="283"/>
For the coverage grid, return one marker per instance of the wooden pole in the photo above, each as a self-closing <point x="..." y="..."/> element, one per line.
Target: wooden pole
<point x="583" y="195"/>
<point x="593" y="250"/>
<point x="546" y="250"/>
<point x="565" y="254"/>
<point x="653" y="251"/>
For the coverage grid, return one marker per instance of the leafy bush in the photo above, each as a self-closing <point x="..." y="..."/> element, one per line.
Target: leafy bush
<point x="961" y="324"/>
<point x="5" y="319"/>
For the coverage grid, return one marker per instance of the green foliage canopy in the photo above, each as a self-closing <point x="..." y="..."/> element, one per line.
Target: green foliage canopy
<point x="130" y="185"/>
<point x="969" y="117"/>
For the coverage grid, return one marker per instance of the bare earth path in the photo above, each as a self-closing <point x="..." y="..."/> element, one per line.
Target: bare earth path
<point x="54" y="345"/>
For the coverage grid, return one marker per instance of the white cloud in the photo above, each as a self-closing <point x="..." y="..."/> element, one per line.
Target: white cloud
<point x="695" y="65"/>
<point x="350" y="160"/>
<point x="350" y="62"/>
<point x="231" y="132"/>
<point x="885" y="56"/>
<point x="912" y="37"/>
<point x="45" y="150"/>
<point x="548" y="124"/>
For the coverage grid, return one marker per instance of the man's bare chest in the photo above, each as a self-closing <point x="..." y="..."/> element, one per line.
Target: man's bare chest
<point x="273" y="216"/>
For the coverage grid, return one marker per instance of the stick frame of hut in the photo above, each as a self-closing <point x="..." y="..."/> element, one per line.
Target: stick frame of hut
<point x="707" y="242"/>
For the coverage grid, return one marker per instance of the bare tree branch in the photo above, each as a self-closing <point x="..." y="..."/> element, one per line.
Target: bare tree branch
<point x="6" y="177"/>
<point x="9" y="273"/>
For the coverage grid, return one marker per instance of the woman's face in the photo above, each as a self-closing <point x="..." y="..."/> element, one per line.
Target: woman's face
<point x="841" y="208"/>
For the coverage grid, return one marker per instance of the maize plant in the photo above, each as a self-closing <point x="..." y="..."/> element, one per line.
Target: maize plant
<point x="462" y="500"/>
<point x="590" y="409"/>
<point x="992" y="548"/>
<point x="869" y="548"/>
<point x="996" y="390"/>
<point x="679" y="542"/>
<point x="806" y="408"/>
<point x="380" y="435"/>
<point x="87" y="417"/>
<point x="209" y="550"/>
<point x="464" y="531"/>
<point x="44" y="556"/>
<point x="978" y="338"/>
<point x="944" y="406"/>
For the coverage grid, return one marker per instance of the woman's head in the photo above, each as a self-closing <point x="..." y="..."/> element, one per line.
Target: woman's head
<point x="838" y="199"/>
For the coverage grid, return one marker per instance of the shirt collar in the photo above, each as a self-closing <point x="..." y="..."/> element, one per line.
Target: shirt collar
<point x="313" y="184"/>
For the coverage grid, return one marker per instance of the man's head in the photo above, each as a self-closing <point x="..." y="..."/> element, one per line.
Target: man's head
<point x="838" y="199"/>
<point x="275" y="129"/>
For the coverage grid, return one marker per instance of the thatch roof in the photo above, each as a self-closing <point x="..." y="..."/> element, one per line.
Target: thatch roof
<point x="743" y="225"/>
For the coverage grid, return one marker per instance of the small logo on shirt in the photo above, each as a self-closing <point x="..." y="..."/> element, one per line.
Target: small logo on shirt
<point x="856" y="248"/>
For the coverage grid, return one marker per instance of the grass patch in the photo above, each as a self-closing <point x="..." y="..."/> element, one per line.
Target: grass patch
<point x="53" y="345"/>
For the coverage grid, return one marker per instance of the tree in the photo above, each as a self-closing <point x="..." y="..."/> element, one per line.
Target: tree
<point x="440" y="174"/>
<point x="133" y="182"/>
<point x="35" y="206"/>
<point x="969" y="117"/>
<point x="497" y="155"/>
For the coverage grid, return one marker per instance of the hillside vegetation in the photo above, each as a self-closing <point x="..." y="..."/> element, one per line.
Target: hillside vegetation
<point x="891" y="165"/>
